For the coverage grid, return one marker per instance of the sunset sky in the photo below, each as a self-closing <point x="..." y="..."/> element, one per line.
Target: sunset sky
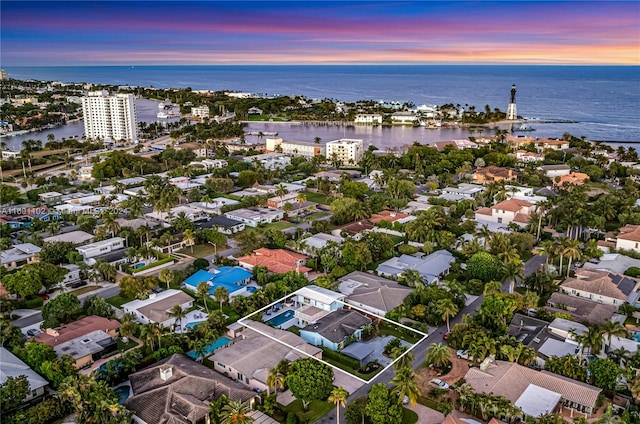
<point x="39" y="33"/>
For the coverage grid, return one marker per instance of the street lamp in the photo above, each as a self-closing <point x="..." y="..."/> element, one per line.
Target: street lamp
<point x="215" y="251"/>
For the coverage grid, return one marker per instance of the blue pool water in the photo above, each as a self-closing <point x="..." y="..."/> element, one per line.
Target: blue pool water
<point x="636" y="335"/>
<point x="123" y="394"/>
<point x="252" y="289"/>
<point x="193" y="324"/>
<point x="136" y="266"/>
<point x="278" y="320"/>
<point x="221" y="342"/>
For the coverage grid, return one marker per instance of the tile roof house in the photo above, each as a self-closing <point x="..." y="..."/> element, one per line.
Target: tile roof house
<point x="277" y="261"/>
<point x="389" y="216"/>
<point x="12" y="366"/>
<point x="581" y="309"/>
<point x="430" y="267"/>
<point x="575" y="178"/>
<point x="602" y="287"/>
<point x="64" y="333"/>
<point x="156" y="308"/>
<point x="374" y="294"/>
<point x="333" y="330"/>
<point x="506" y="212"/>
<point x="494" y="173"/>
<point x="354" y="229"/>
<point x="521" y="386"/>
<point x="178" y="390"/>
<point x="259" y="350"/>
<point x="628" y="238"/>
<point x="19" y="255"/>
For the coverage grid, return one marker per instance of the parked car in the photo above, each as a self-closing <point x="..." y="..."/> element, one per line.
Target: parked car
<point x="78" y="284"/>
<point x="446" y="335"/>
<point x="439" y="383"/>
<point x="463" y="354"/>
<point x="33" y="332"/>
<point x="44" y="296"/>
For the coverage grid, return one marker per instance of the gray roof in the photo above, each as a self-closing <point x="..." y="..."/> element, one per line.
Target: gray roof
<point x="373" y="291"/>
<point x="223" y="221"/>
<point x="338" y="324"/>
<point x="525" y="328"/>
<point x="555" y="167"/>
<point x="12" y="366"/>
<point x="75" y="237"/>
<point x="429" y="267"/>
<point x="357" y="350"/>
<point x="614" y="262"/>
<point x="185" y="396"/>
<point x="19" y="252"/>
<point x="580" y="308"/>
<point x="602" y="283"/>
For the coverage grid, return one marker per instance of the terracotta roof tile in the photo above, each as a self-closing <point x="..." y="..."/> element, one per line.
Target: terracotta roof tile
<point x="630" y="232"/>
<point x="77" y="329"/>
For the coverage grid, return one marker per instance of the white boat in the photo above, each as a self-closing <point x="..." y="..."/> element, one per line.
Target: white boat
<point x="161" y="105"/>
<point x="162" y="115"/>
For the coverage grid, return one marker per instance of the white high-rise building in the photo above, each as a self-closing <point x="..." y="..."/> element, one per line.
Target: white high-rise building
<point x="347" y="151"/>
<point x="110" y="117"/>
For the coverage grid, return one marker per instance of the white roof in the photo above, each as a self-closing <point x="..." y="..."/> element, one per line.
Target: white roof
<point x="75" y="237"/>
<point x="553" y="347"/>
<point x="320" y="294"/>
<point x="12" y="366"/>
<point x="562" y="324"/>
<point x="536" y="401"/>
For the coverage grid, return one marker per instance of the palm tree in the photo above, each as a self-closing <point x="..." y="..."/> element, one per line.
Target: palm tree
<point x="404" y="360"/>
<point x="572" y="251"/>
<point x="404" y="384"/>
<point x="612" y="329"/>
<point x="53" y="227"/>
<point x="513" y="270"/>
<point x="338" y="397"/>
<point x="446" y="308"/>
<point x="485" y="233"/>
<point x="438" y="355"/>
<point x="128" y="325"/>
<point x="411" y="277"/>
<point x="176" y="312"/>
<point x="110" y="224"/>
<point x="275" y="379"/>
<point x="166" y="276"/>
<point x="546" y="248"/>
<point x="189" y="238"/>
<point x="202" y="291"/>
<point x="221" y="294"/>
<point x="281" y="190"/>
<point x="492" y="287"/>
<point x="634" y="387"/>
<point x="236" y="412"/>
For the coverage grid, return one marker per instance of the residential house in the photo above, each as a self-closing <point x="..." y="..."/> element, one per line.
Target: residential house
<point x="525" y="156"/>
<point x="376" y="295"/>
<point x="431" y="267"/>
<point x="200" y="111"/>
<point x="313" y="245"/>
<point x="613" y="262"/>
<point x="536" y="392"/>
<point x="259" y="350"/>
<point x="255" y="111"/>
<point x="315" y="302"/>
<point x="213" y="206"/>
<point x="214" y="163"/>
<point x="390" y="216"/>
<point x="270" y="161"/>
<point x="456" y="144"/>
<point x="368" y="119"/>
<point x="506" y="212"/>
<point x="354" y="229"/>
<point x="603" y="287"/>
<point x="277" y="261"/>
<point x="77" y="238"/>
<point x="156" y="308"/>
<point x="306" y="149"/>
<point x="628" y="238"/>
<point x="553" y="171"/>
<point x="193" y="214"/>
<point x="85" y="340"/>
<point x="101" y="247"/>
<point x="336" y="329"/>
<point x="464" y="191"/>
<point x="13" y="367"/>
<point x="178" y="390"/>
<point x="580" y="308"/>
<point x="184" y="183"/>
<point x="256" y="216"/>
<point x="494" y="173"/>
<point x="50" y="197"/>
<point x="72" y="275"/>
<point x="85" y="173"/>
<point x="19" y="255"/>
<point x="574" y="178"/>
<point x="550" y="143"/>
<point x="278" y="202"/>
<point x="225" y="225"/>
<point x="233" y="278"/>
<point x="404" y="118"/>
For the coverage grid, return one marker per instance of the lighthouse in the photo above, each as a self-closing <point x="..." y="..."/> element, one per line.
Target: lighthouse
<point x="511" y="110"/>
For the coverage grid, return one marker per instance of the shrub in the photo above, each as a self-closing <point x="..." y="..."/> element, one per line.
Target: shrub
<point x="407" y="249"/>
<point x="634" y="271"/>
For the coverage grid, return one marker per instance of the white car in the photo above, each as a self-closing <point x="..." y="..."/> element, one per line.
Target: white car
<point x="439" y="383"/>
<point x="463" y="354"/>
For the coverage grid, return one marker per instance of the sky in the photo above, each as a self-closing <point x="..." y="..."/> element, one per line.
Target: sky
<point x="42" y="33"/>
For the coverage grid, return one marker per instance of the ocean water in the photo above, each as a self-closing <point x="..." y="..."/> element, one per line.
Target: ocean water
<point x="603" y="100"/>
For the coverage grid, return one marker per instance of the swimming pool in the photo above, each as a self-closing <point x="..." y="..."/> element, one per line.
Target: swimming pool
<point x="252" y="289"/>
<point x="123" y="393"/>
<point x="193" y="324"/>
<point x="278" y="320"/>
<point x="221" y="342"/>
<point x="136" y="266"/>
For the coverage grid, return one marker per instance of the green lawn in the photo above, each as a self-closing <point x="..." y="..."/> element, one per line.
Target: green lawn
<point x="387" y="329"/>
<point x="263" y="118"/>
<point x="318" y="198"/>
<point x="201" y="250"/>
<point x="84" y="290"/>
<point x="408" y="416"/>
<point x="119" y="300"/>
<point x="317" y="410"/>
<point x="281" y="225"/>
<point x="125" y="346"/>
<point x="315" y="216"/>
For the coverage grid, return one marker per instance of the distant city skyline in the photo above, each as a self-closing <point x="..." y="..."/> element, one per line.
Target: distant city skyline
<point x="42" y="33"/>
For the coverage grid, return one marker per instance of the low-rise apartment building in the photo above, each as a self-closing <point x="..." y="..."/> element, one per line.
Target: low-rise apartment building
<point x="101" y="247"/>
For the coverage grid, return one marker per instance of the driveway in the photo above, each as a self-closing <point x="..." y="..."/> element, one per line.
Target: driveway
<point x="426" y="415"/>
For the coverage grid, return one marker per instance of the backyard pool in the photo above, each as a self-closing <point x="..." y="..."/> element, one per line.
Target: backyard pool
<point x="192" y="325"/>
<point x="210" y="348"/>
<point x="278" y="320"/>
<point x="136" y="266"/>
<point x="123" y="393"/>
<point x="252" y="289"/>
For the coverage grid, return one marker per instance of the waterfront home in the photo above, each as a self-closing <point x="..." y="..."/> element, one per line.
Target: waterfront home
<point x="277" y="261"/>
<point x="506" y="212"/>
<point x="494" y="173"/>
<point x="553" y="171"/>
<point x="525" y="156"/>
<point x="374" y="294"/>
<point x="456" y="144"/>
<point x="345" y="150"/>
<point x="19" y="255"/>
<point x="603" y="287"/>
<point x="535" y="392"/>
<point x="256" y="216"/>
<point x="13" y="367"/>
<point x="404" y="118"/>
<point x="156" y="308"/>
<point x="368" y="119"/>
<point x="85" y="340"/>
<point x="307" y="150"/>
<point x="628" y="238"/>
<point x="335" y="329"/>
<point x="101" y="247"/>
<point x="260" y="348"/>
<point x="431" y="267"/>
<point x="179" y="390"/>
<point x="233" y="279"/>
